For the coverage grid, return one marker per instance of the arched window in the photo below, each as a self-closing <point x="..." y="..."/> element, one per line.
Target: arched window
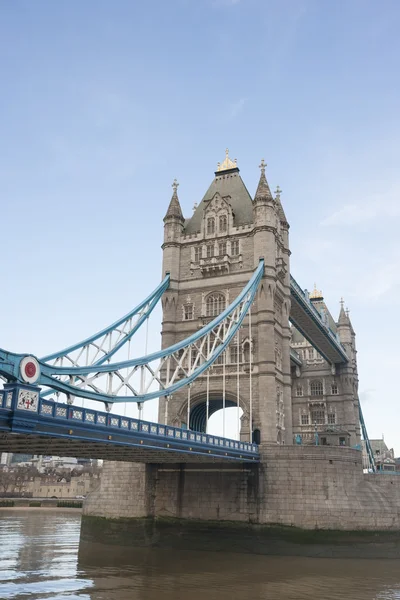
<point x="316" y="388"/>
<point x="246" y="351"/>
<point x="223" y="223"/>
<point x="210" y="225"/>
<point x="215" y="304"/>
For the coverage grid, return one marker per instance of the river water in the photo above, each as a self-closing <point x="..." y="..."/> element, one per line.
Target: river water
<point x="40" y="558"/>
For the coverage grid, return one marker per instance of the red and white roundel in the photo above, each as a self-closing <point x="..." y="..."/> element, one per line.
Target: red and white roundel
<point x="30" y="369"/>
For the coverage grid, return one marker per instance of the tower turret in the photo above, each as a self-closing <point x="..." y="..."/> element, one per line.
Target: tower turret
<point x="264" y="221"/>
<point x="173" y="228"/>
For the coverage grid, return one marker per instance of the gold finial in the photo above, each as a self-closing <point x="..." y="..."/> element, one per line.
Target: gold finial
<point x="262" y="166"/>
<point x="175" y="186"/>
<point x="227" y="163"/>
<point x="316" y="294"/>
<point x="278" y="192"/>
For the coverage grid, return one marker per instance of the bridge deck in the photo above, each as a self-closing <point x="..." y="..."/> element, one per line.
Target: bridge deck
<point x="309" y="322"/>
<point x="50" y="428"/>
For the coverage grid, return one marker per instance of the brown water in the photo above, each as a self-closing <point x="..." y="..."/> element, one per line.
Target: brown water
<point x="39" y="558"/>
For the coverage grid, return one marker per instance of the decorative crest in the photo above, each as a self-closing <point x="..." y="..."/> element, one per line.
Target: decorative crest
<point x="262" y="166"/>
<point x="175" y="186"/>
<point x="227" y="163"/>
<point x="316" y="294"/>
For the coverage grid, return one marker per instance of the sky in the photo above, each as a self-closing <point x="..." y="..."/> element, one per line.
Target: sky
<point x="103" y="104"/>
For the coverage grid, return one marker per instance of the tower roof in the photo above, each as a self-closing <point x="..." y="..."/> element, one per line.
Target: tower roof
<point x="227" y="164"/>
<point x="263" y="190"/>
<point x="343" y="317"/>
<point x="227" y="182"/>
<point x="174" y="208"/>
<point x="316" y="294"/>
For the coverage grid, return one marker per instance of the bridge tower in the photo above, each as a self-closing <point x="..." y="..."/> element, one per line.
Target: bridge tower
<point x="210" y="257"/>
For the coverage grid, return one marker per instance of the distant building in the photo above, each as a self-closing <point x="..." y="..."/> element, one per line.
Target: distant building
<point x="384" y="458"/>
<point x="76" y="487"/>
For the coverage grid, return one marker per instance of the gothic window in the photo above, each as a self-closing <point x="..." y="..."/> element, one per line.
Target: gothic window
<point x="334" y="389"/>
<point x="235" y="247"/>
<point x="215" y="342"/>
<point x="220" y="359"/>
<point x="299" y="391"/>
<point x="246" y="352"/>
<point x="198" y="253"/>
<point x="317" y="388"/>
<point x="210" y="225"/>
<point x="234" y="353"/>
<point x="215" y="304"/>
<point x="188" y="312"/>
<point x="222" y="248"/>
<point x="331" y="418"/>
<point x="311" y="353"/>
<point x="223" y="223"/>
<point x="318" y="417"/>
<point x="210" y="251"/>
<point x="304" y="419"/>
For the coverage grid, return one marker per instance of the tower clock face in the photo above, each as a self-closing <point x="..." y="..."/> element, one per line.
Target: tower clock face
<point x="28" y="400"/>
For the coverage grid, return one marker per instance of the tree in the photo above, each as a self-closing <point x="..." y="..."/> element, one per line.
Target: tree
<point x="6" y="480"/>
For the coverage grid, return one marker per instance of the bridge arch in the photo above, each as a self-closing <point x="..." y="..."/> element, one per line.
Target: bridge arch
<point x="198" y="409"/>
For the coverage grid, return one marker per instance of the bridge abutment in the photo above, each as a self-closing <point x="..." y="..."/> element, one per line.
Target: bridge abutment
<point x="306" y="487"/>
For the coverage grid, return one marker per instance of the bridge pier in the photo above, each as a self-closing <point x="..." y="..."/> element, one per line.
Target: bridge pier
<point x="306" y="487"/>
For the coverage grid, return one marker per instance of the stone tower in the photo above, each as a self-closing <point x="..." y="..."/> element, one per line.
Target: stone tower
<point x="324" y="396"/>
<point x="211" y="257"/>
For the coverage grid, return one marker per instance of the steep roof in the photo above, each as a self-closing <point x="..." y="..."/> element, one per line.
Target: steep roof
<point x="174" y="208"/>
<point x="226" y="183"/>
<point x="263" y="190"/>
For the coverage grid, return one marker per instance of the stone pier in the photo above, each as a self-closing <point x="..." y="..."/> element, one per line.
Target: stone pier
<point x="306" y="487"/>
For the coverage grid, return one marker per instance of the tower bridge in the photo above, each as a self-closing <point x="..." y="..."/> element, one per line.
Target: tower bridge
<point x="237" y="332"/>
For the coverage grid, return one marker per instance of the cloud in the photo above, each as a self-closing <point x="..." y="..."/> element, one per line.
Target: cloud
<point x="363" y="212"/>
<point x="236" y="108"/>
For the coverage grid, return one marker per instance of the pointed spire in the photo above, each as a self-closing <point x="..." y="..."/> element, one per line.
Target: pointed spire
<point x="263" y="190"/>
<point x="343" y="317"/>
<point x="174" y="208"/>
<point x="281" y="212"/>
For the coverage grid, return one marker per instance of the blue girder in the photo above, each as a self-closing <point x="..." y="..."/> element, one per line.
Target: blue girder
<point x="50" y="373"/>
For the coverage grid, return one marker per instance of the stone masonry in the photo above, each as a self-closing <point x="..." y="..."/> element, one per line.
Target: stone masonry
<point x="210" y="258"/>
<point x="304" y="486"/>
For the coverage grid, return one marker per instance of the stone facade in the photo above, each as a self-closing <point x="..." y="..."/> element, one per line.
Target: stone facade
<point x="210" y="258"/>
<point x="304" y="486"/>
<point x="324" y="396"/>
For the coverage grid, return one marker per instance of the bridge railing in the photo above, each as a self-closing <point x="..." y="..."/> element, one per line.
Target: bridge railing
<point x="90" y="418"/>
<point x="317" y="316"/>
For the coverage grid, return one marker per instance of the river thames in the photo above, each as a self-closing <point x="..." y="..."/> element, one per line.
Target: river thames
<point x="40" y="559"/>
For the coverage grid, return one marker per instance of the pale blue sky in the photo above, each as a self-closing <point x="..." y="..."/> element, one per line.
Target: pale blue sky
<point x="103" y="103"/>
